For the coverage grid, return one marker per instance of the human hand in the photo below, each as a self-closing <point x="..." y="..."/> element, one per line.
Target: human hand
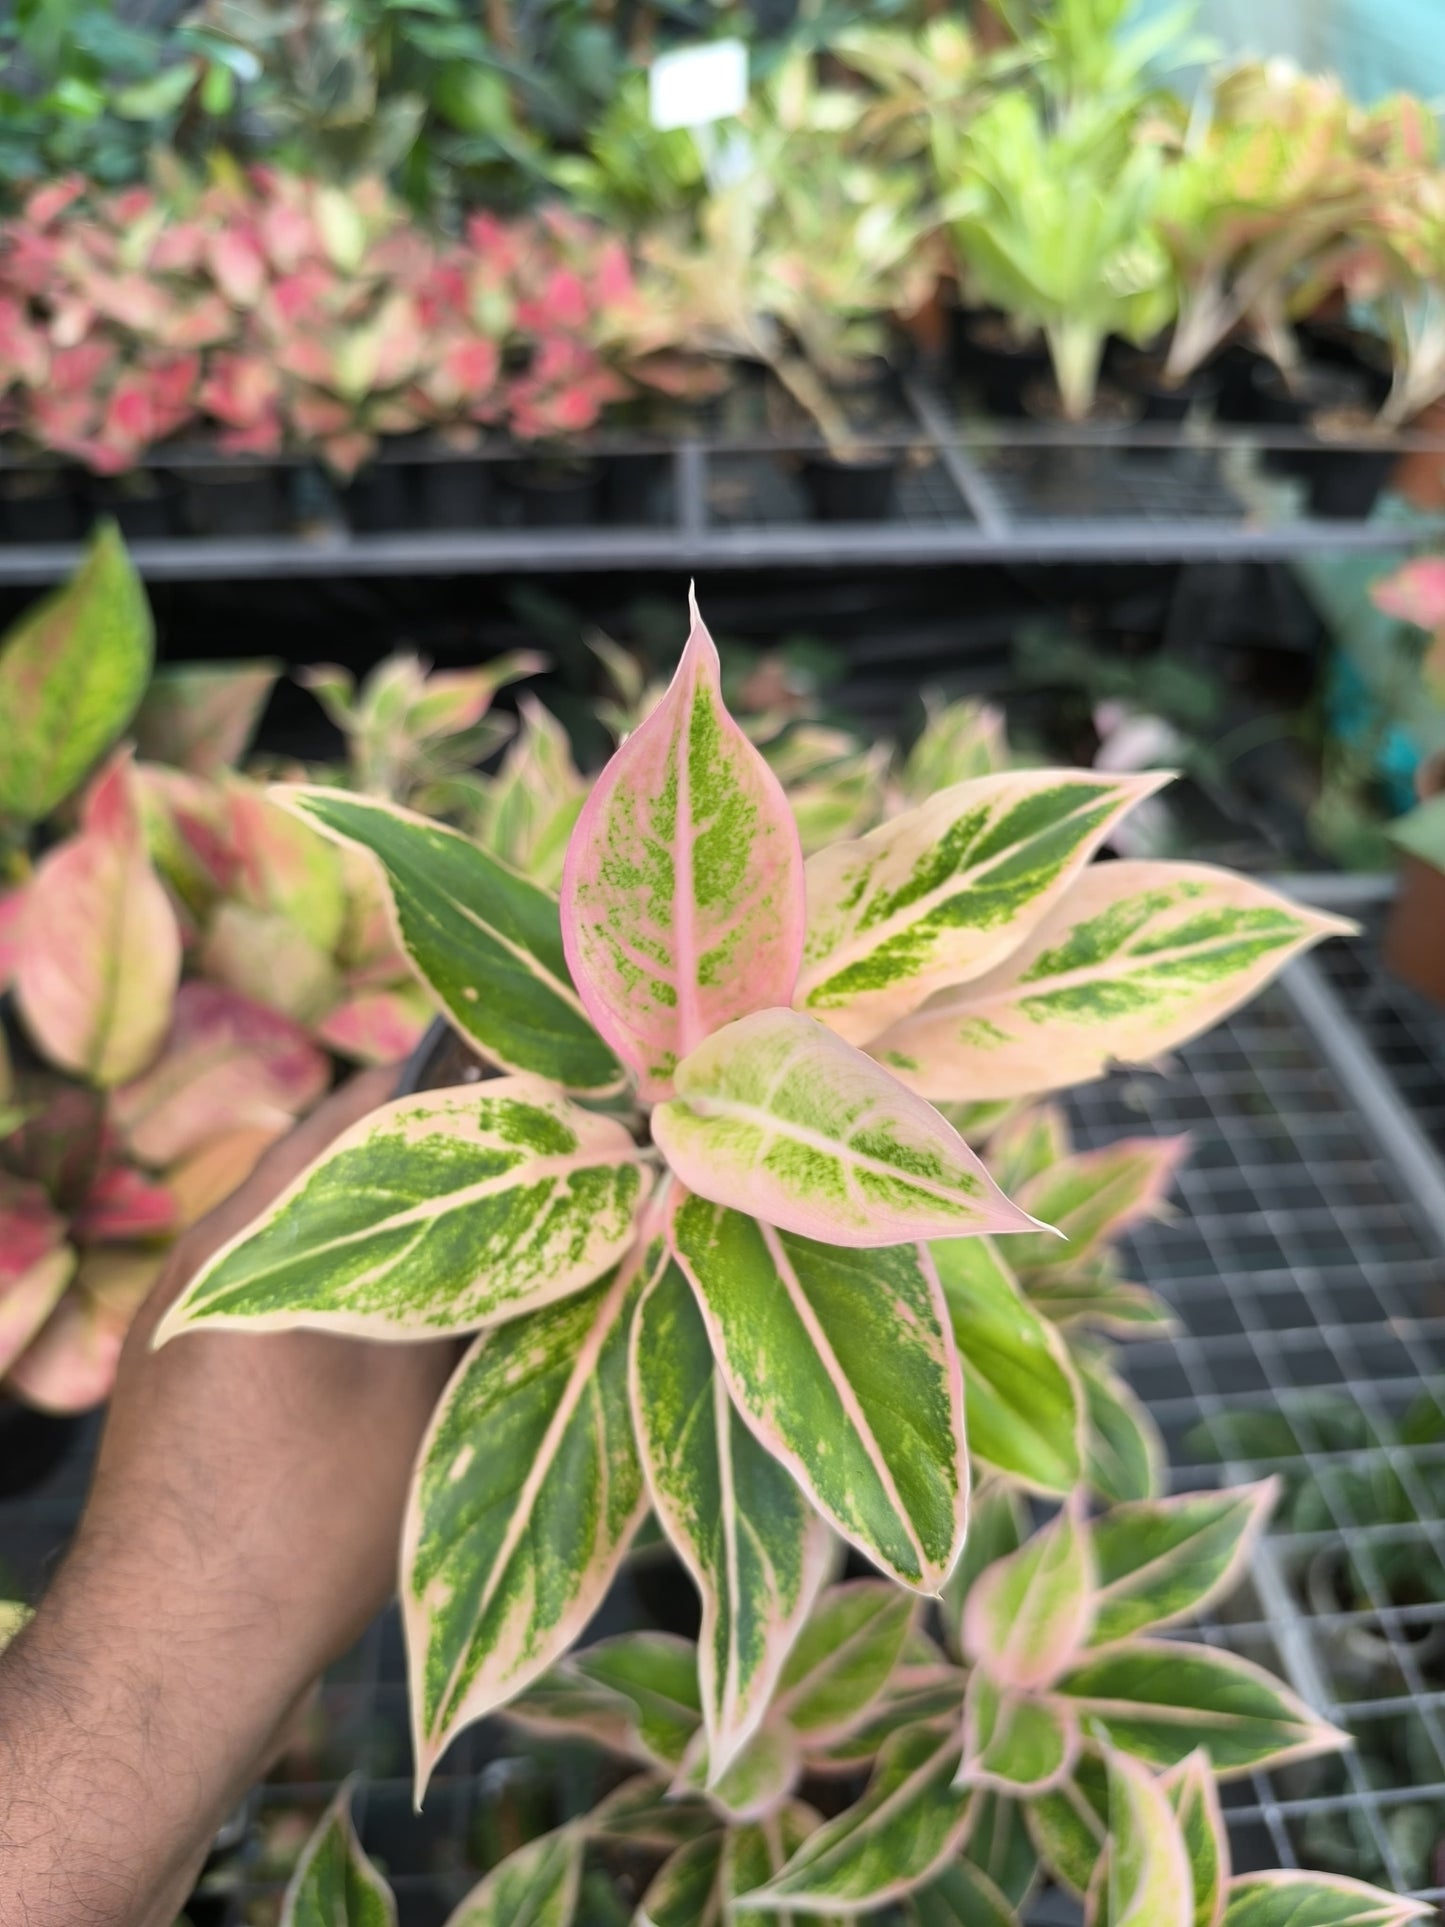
<point x="241" y="1531"/>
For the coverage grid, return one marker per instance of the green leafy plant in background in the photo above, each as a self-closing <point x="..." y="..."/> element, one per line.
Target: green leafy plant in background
<point x="722" y="1257"/>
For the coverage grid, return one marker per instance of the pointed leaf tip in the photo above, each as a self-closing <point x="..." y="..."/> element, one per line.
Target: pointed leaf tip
<point x="682" y="889"/>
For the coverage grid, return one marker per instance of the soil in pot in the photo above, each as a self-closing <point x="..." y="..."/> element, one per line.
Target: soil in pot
<point x="861" y="488"/>
<point x="554" y="494"/>
<point x="240" y="498"/>
<point x="42" y="504"/>
<point x="989" y="357"/>
<point x="1068" y="478"/>
<point x="32" y="1446"/>
<point x="145" y="504"/>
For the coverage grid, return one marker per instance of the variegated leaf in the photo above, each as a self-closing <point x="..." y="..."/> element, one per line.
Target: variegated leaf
<point x="1144" y="1878"/>
<point x="843" y="1365"/>
<point x="1025" y="1408"/>
<point x="654" y="1677"/>
<point x="844" y="1658"/>
<point x="1028" y="1615"/>
<point x="1195" y="1799"/>
<point x="1315" y="1900"/>
<point x="1092" y="1198"/>
<point x="1136" y="959"/>
<point x="945" y="892"/>
<point x="201" y="716"/>
<point x="961" y="1896"/>
<point x="687" y="1890"/>
<point x="758" y="1778"/>
<point x="756" y="1550"/>
<point x="226" y="1062"/>
<point x="897" y="1706"/>
<point x="754" y="1854"/>
<point x="1164" y="1560"/>
<point x="334" y="1884"/>
<point x="485" y="943"/>
<point x="643" y="1811"/>
<point x="1098" y="1298"/>
<point x="998" y="1525"/>
<point x="907" y="1823"/>
<point x="70" y="1365"/>
<point x="527" y="1493"/>
<point x="1069" y="1825"/>
<point x="1028" y="1142"/>
<point x="536" y="1886"/>
<point x="777" y="1116"/>
<point x="682" y="893"/>
<point x="437" y="1213"/>
<point x="1016" y="1743"/>
<point x="35" y="1264"/>
<point x="1124" y="1454"/>
<point x="100" y="949"/>
<point x="998" y="1845"/>
<point x="72" y="671"/>
<point x="285" y="866"/>
<point x="377" y="1026"/>
<point x="1158" y="1699"/>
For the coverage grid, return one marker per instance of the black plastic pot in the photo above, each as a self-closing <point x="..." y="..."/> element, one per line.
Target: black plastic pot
<point x="1233" y="369"/>
<point x="997" y="367"/>
<point x="864" y="490"/>
<point x="32" y="1446"/>
<point x="238" y="498"/>
<point x="378" y="499"/>
<point x="42" y="504"/>
<point x="1141" y="376"/>
<point x="1346" y="483"/>
<point x="634" y="487"/>
<point x="145" y="505"/>
<point x="555" y="495"/>
<point x="1333" y="400"/>
<point x="453" y="494"/>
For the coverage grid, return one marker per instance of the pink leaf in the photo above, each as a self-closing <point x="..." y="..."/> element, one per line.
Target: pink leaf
<point x="1029" y="1613"/>
<point x="100" y="949"/>
<point x="29" y="1298"/>
<point x="202" y="718"/>
<point x="682" y="892"/>
<point x="776" y="1116"/>
<point x="208" y="1177"/>
<point x="1415" y="593"/>
<point x="125" y="1205"/>
<point x="71" y="1365"/>
<point x="377" y="1026"/>
<point x="227" y="1062"/>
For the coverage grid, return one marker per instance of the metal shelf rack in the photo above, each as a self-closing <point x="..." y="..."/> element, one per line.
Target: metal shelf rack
<point x="971" y="491"/>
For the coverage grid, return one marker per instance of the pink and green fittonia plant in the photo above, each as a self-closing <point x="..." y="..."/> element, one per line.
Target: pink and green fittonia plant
<point x="722" y="1256"/>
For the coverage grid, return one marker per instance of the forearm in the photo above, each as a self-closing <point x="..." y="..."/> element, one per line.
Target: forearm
<point x="128" y="1729"/>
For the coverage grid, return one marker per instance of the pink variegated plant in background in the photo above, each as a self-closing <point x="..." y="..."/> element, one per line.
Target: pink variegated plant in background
<point x="724" y="1254"/>
<point x="182" y="960"/>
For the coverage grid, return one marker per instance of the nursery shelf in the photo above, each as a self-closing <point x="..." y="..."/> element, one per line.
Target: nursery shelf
<point x="967" y="490"/>
<point x="1306" y="1264"/>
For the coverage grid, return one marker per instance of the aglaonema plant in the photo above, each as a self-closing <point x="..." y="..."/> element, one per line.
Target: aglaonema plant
<point x="1052" y="1735"/>
<point x="719" y="1255"/>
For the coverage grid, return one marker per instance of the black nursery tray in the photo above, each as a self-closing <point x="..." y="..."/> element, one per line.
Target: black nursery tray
<point x="1306" y="1262"/>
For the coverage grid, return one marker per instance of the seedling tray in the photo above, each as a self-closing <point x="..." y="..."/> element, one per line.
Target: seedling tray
<point x="1306" y="1262"/>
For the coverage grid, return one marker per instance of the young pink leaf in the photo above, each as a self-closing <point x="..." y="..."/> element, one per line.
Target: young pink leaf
<point x="201" y="1181"/>
<point x="124" y="1205"/>
<point x="1414" y="593"/>
<point x="71" y="1365"/>
<point x="682" y="892"/>
<point x="776" y="1116"/>
<point x="1135" y="959"/>
<point x="1027" y="1616"/>
<point x="1143" y="1879"/>
<point x="944" y="892"/>
<point x="1092" y="1198"/>
<point x="227" y="1063"/>
<point x="1013" y="1742"/>
<point x="1162" y="1560"/>
<point x="100" y="949"/>
<point x="35" y="1264"/>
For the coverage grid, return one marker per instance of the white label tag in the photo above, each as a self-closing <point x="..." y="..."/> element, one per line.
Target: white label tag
<point x="697" y="85"/>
